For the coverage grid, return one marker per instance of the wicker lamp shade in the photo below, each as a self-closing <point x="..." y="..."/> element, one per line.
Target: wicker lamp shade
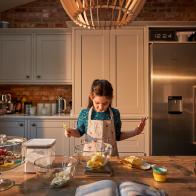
<point x="102" y="14"/>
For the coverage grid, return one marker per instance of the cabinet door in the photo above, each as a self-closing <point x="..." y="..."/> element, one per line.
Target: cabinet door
<point x="52" y="129"/>
<point x="13" y="128"/>
<point x="15" y="54"/>
<point x="127" y="71"/>
<point x="134" y="145"/>
<point x="53" y="58"/>
<point x="91" y="53"/>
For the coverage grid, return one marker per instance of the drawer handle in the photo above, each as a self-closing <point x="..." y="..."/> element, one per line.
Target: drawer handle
<point x="38" y="76"/>
<point x="27" y="76"/>
<point x="21" y="124"/>
<point x="33" y="125"/>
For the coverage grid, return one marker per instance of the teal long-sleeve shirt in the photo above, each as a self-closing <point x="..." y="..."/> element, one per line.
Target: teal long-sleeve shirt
<point x="82" y="123"/>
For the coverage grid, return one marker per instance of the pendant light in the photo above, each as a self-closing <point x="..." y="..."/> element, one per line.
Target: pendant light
<point x="102" y="14"/>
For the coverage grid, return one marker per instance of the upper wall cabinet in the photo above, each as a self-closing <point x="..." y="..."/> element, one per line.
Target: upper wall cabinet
<point x="127" y="71"/>
<point x="15" y="57"/>
<point x="116" y="55"/>
<point x="53" y="58"/>
<point x="91" y="55"/>
<point x="38" y="56"/>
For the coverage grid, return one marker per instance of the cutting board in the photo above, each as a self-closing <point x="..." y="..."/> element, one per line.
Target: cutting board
<point x="102" y="171"/>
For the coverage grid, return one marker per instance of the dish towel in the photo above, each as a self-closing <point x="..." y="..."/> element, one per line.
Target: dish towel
<point x="99" y="188"/>
<point x="133" y="188"/>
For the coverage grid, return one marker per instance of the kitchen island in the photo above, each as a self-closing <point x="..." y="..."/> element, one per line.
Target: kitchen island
<point x="181" y="179"/>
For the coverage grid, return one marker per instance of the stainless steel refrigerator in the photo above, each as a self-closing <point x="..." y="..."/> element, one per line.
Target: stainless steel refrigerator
<point x="173" y="98"/>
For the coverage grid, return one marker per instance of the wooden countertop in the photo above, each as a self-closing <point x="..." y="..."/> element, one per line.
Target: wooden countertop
<point x="181" y="179"/>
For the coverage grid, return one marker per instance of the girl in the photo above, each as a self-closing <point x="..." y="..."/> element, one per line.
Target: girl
<point x="100" y="121"/>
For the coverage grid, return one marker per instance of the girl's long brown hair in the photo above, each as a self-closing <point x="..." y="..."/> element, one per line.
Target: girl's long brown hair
<point x="100" y="88"/>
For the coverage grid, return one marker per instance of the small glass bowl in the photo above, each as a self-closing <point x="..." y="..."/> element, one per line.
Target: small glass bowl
<point x="55" y="171"/>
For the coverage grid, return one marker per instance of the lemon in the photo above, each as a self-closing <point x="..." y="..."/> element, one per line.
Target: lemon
<point x="96" y="161"/>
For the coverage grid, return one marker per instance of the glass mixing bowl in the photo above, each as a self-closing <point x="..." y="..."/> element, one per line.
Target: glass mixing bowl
<point x="55" y="171"/>
<point x="94" y="154"/>
<point x="11" y="156"/>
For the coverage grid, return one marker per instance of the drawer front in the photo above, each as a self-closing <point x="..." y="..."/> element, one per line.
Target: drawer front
<point x="13" y="128"/>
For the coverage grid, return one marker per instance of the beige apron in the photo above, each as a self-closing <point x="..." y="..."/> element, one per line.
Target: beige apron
<point x="101" y="130"/>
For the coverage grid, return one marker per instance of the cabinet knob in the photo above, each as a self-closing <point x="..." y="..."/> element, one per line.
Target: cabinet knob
<point x="27" y="76"/>
<point x="33" y="125"/>
<point x="38" y="76"/>
<point x="21" y="124"/>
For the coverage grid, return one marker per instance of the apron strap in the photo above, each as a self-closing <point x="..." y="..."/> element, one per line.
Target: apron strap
<point x="111" y="114"/>
<point x="90" y="114"/>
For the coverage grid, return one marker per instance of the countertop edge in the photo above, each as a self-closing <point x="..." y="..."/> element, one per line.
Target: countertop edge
<point x="22" y="116"/>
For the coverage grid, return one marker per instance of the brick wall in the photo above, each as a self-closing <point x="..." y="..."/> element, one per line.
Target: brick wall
<point x="37" y="14"/>
<point x="168" y="10"/>
<point x="49" y="13"/>
<point x="38" y="93"/>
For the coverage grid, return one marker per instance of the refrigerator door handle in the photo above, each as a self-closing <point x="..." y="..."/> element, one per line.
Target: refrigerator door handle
<point x="194" y="115"/>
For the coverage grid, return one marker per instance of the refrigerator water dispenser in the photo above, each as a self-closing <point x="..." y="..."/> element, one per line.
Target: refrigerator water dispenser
<point x="175" y="104"/>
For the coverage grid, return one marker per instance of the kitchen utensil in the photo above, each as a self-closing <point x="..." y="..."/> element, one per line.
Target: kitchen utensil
<point x="2" y="108"/>
<point x="60" y="105"/>
<point x="33" y="110"/>
<point x="48" y="107"/>
<point x="39" y="108"/>
<point x="4" y="24"/>
<point x="7" y="100"/>
<point x="27" y="107"/>
<point x="53" y="109"/>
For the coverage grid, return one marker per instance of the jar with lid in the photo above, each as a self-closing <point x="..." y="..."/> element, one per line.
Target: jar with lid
<point x="27" y="107"/>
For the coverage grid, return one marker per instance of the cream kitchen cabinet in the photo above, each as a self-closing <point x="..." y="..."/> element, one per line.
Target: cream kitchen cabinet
<point x="35" y="56"/>
<point x="50" y="129"/>
<point x="91" y="57"/>
<point x="13" y="127"/>
<point x="116" y="55"/>
<point x="15" y="58"/>
<point x="53" y="58"/>
<point x="127" y="72"/>
<point x="134" y="145"/>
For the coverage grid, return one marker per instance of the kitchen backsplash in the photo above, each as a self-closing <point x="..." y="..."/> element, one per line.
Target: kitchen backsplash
<point x="38" y="93"/>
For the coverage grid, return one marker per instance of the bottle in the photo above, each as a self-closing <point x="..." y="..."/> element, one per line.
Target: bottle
<point x="27" y="107"/>
<point x="18" y="106"/>
<point x="23" y="100"/>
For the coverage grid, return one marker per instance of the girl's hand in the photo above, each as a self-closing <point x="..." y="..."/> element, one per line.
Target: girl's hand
<point x="67" y="130"/>
<point x="141" y="126"/>
<point x="68" y="133"/>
